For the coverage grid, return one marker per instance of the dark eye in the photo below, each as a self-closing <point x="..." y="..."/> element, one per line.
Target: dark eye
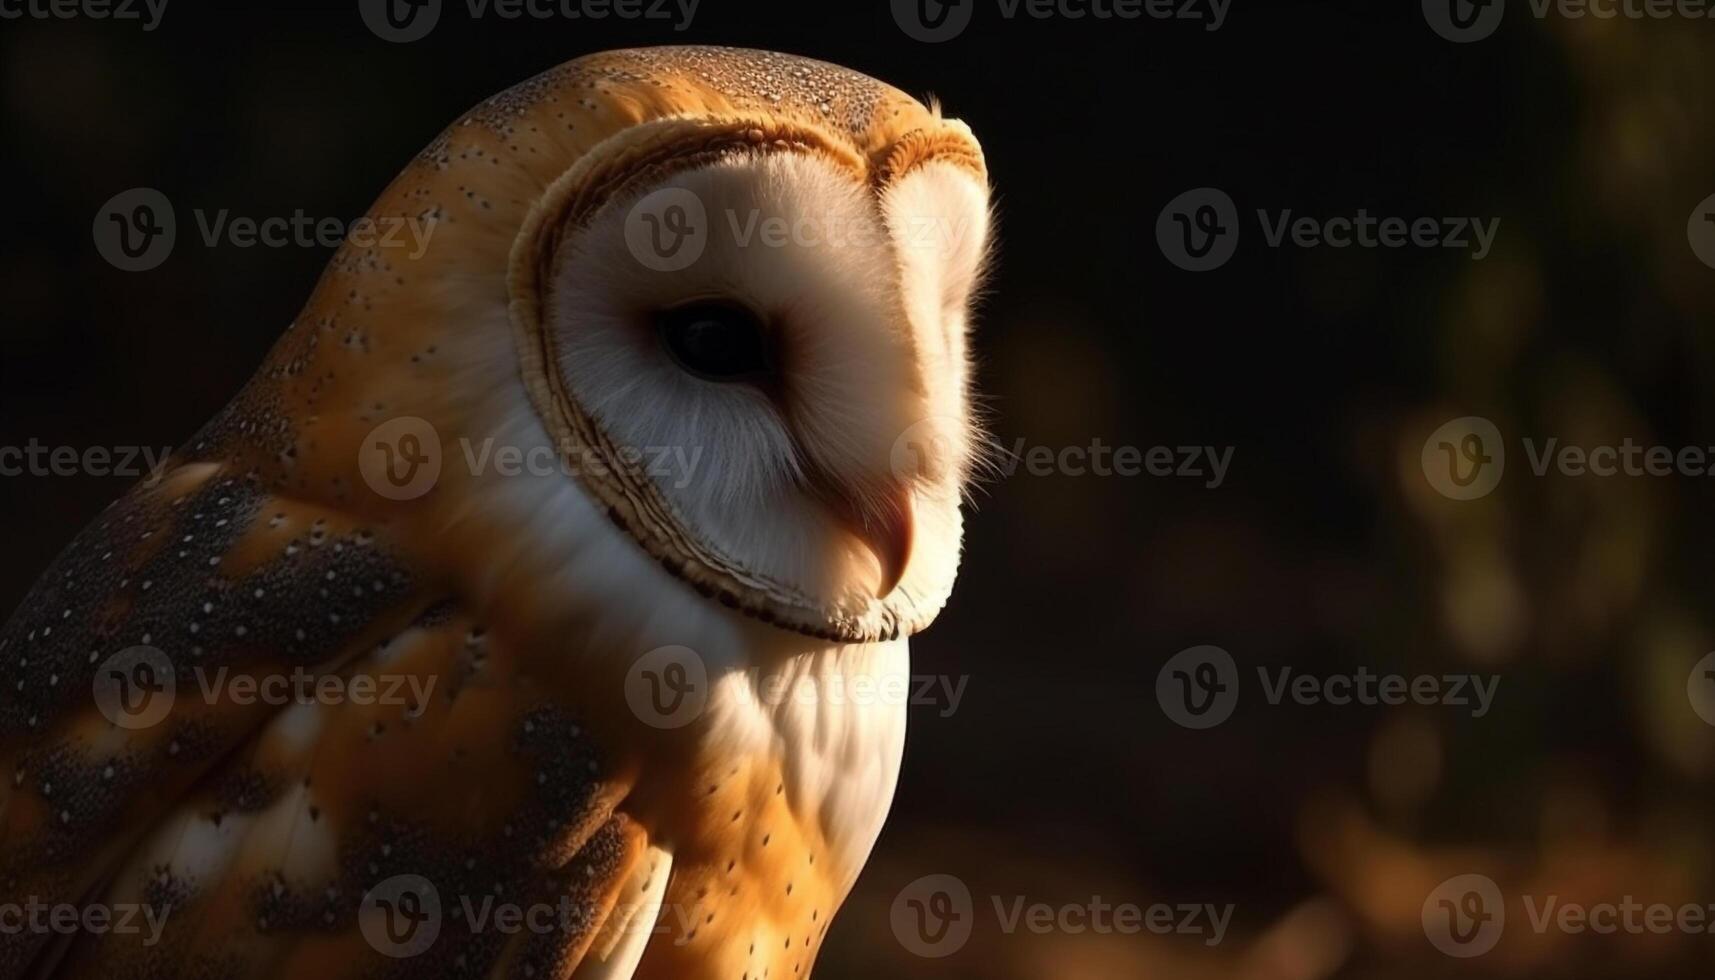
<point x="718" y="341"/>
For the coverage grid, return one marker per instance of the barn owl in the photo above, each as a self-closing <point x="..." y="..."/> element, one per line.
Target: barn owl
<point x="339" y="694"/>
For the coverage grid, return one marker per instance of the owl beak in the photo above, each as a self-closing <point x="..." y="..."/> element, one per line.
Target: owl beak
<point x="888" y="529"/>
<point x="890" y="536"/>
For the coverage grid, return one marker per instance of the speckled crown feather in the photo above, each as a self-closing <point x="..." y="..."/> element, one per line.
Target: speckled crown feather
<point x="474" y="186"/>
<point x="599" y="95"/>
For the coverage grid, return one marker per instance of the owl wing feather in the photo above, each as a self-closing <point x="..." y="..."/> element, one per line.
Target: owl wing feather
<point x="333" y="723"/>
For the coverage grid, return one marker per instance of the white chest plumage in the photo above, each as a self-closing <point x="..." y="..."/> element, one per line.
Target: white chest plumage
<point x="837" y="720"/>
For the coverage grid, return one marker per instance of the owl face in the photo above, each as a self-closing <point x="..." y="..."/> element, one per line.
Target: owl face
<point x="782" y="402"/>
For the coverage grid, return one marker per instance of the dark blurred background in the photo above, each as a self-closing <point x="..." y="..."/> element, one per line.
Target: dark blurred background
<point x="1059" y="778"/>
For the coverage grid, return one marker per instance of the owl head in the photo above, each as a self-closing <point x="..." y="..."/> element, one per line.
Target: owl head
<point x="734" y="291"/>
